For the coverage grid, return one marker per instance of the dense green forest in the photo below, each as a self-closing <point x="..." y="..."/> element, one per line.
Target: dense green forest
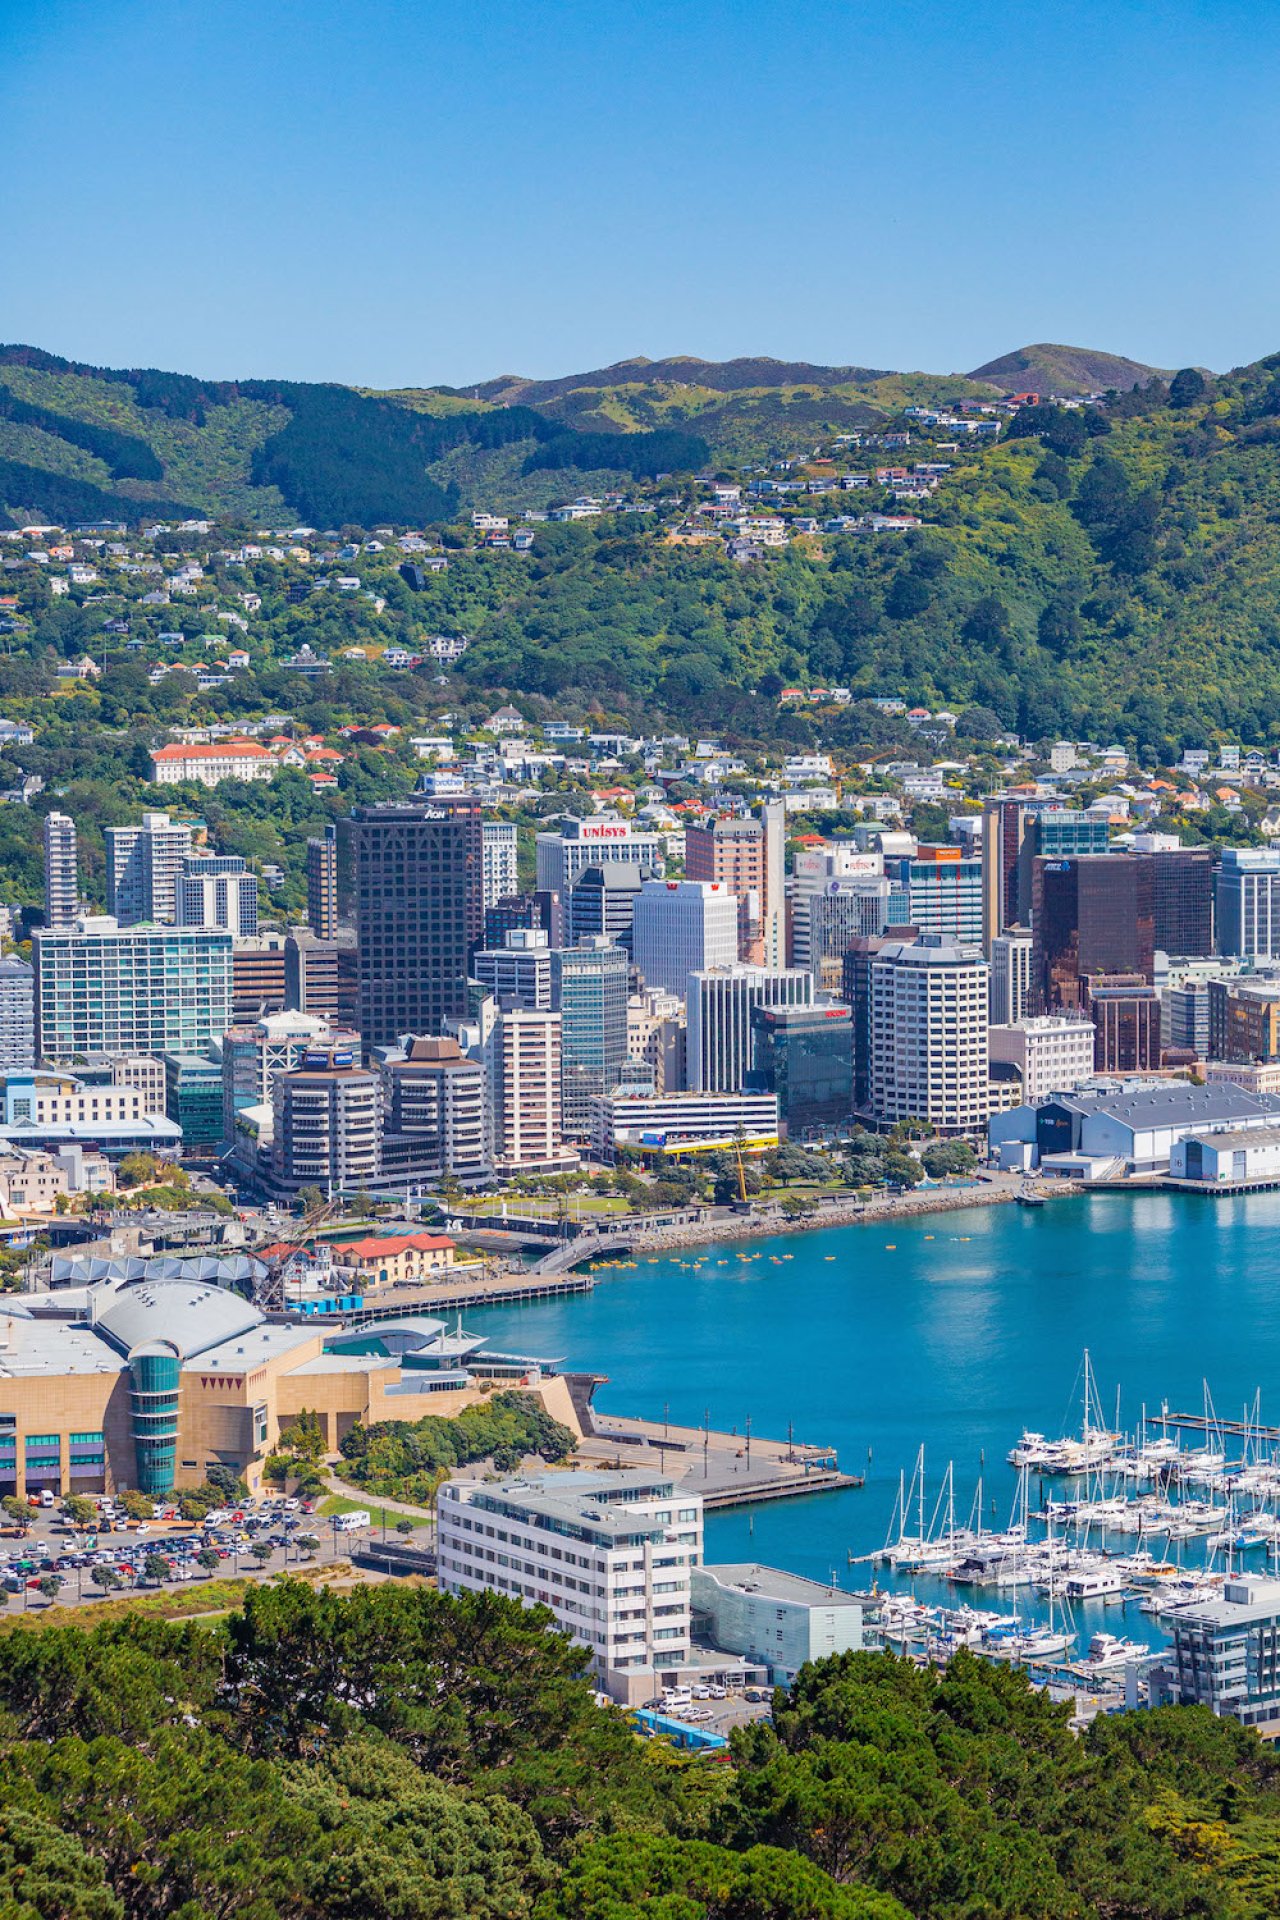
<point x="400" y="1755"/>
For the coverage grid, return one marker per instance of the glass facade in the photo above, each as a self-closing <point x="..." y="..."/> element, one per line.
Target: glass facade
<point x="155" y="1374"/>
<point x="805" y="1056"/>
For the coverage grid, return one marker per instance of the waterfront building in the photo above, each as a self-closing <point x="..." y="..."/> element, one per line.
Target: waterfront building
<point x="1092" y="915"/>
<point x="258" y="975"/>
<point x="327" y="1123"/>
<point x="602" y="900"/>
<point x="322" y="884"/>
<point x="101" y="989"/>
<point x="1053" y="1053"/>
<point x="944" y="893"/>
<point x="856" y="993"/>
<point x="683" y="1122"/>
<point x="1232" y="1158"/>
<point x="561" y="856"/>
<point x="929" y="1056"/>
<point x="435" y="1121"/>
<point x="719" y="1003"/>
<point x="17" y="1015"/>
<point x="1011" y="975"/>
<point x="682" y="927"/>
<point x="518" y="973"/>
<point x="589" y="984"/>
<point x="1247" y="892"/>
<point x="61" y="874"/>
<point x="804" y="1055"/>
<point x="1226" y="1656"/>
<point x="1126" y="1016"/>
<point x="498" y="864"/>
<point x="522" y="1060"/>
<point x="216" y="890"/>
<point x="143" y="863"/>
<point x="1130" y="1128"/>
<point x="774" y="1617"/>
<point x="610" y="1554"/>
<point x="149" y="1376"/>
<point x="418" y="912"/>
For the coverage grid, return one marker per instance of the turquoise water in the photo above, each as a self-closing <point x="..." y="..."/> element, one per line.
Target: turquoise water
<point x="969" y="1329"/>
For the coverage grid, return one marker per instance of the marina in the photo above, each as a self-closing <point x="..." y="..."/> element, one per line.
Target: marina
<point x="965" y="1333"/>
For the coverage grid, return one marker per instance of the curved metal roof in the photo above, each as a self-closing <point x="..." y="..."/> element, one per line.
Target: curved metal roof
<point x="181" y="1313"/>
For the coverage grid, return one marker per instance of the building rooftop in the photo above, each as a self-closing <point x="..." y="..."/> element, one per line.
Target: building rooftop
<point x="604" y="1507"/>
<point x="772" y="1584"/>
<point x="192" y="1318"/>
<point x="1244" y="1137"/>
<point x="1169" y="1103"/>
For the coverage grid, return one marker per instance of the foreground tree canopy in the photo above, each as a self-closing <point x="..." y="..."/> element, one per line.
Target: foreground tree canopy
<point x="399" y="1755"/>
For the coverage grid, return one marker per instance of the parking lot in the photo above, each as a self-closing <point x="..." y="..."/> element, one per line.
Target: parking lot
<point x="717" y="1709"/>
<point x="163" y="1552"/>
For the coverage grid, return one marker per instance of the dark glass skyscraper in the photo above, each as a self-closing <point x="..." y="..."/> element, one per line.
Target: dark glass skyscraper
<point x="417" y="873"/>
<point x="1092" y="915"/>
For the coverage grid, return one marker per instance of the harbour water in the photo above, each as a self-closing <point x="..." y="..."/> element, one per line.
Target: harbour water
<point x="954" y="1331"/>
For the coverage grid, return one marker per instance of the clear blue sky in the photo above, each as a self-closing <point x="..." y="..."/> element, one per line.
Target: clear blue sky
<point x="399" y="192"/>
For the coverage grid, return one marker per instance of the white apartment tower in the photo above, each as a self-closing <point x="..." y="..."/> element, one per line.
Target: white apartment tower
<point x="719" y="1019"/>
<point x="523" y="1064"/>
<point x="498" y="866"/>
<point x="1052" y="1052"/>
<point x="929" y="1057"/>
<point x="61" y="881"/>
<point x="682" y="927"/>
<point x="143" y="863"/>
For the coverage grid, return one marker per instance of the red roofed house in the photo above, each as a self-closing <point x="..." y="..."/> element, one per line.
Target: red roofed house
<point x="210" y="765"/>
<point x="393" y="1261"/>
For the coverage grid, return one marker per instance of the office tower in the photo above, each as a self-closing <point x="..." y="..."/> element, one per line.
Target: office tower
<point x="602" y="900"/>
<point x="589" y="992"/>
<point x="255" y="1053"/>
<point x="817" y="869"/>
<point x="61" y="880"/>
<point x="1183" y="899"/>
<point x="1011" y="953"/>
<point x="327" y="1129"/>
<point x="657" y="1035"/>
<point x="720" y="1000"/>
<point x="804" y="1055"/>
<point x="498" y="867"/>
<point x="418" y="913"/>
<point x="322" y="884"/>
<point x="1186" y="1021"/>
<point x="143" y="863"/>
<point x="1094" y="914"/>
<point x="681" y="927"/>
<point x="145" y="1073"/>
<point x="193" y="1097"/>
<point x="773" y="815"/>
<point x="1242" y="1018"/>
<point x="17" y="1015"/>
<point x="1016" y="832"/>
<point x="101" y="989"/>
<point x="217" y="890"/>
<point x="856" y="993"/>
<point x="1052" y="1052"/>
<point x="523" y="1077"/>
<point x="944" y="892"/>
<point x="257" y="975"/>
<point x="434" y="1123"/>
<point x="562" y="856"/>
<point x="320" y="976"/>
<point x="1248" y="902"/>
<point x="1125" y="1011"/>
<point x="537" y="909"/>
<point x="849" y="907"/>
<point x="733" y="851"/>
<point x="929" y="1058"/>
<point x="519" y="971"/>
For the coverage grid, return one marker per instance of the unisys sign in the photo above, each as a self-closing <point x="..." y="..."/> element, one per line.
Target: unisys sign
<point x="604" y="830"/>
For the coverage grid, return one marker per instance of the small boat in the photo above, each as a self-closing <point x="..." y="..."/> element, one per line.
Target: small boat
<point x="1106" y="1652"/>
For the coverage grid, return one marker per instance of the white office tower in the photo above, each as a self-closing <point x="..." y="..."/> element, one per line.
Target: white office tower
<point x="519" y="971"/>
<point x="611" y="1554"/>
<point x="929" y="1056"/>
<point x="217" y="890"/>
<point x="143" y="864"/>
<point x="719" y="1003"/>
<point x="522" y="1059"/>
<point x="498" y="867"/>
<point x="773" y="813"/>
<point x="816" y="868"/>
<point x="1010" y="975"/>
<point x="563" y="856"/>
<point x="61" y="881"/>
<point x="17" y="1016"/>
<point x="682" y="927"/>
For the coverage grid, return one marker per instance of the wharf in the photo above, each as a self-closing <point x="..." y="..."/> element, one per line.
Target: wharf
<point x="457" y="1295"/>
<point x="727" y="1469"/>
